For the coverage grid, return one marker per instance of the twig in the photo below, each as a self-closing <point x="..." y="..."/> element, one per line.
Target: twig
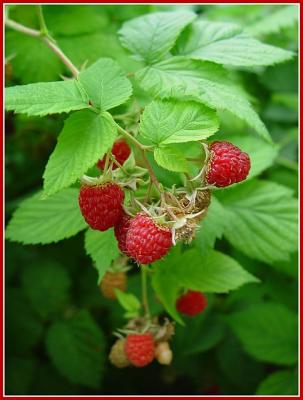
<point x="47" y="40"/>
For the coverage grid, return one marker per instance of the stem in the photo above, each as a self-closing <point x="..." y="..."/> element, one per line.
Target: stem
<point x="151" y="172"/>
<point x="144" y="290"/>
<point x="42" y="23"/>
<point x="47" y="40"/>
<point x="21" y="28"/>
<point x="131" y="138"/>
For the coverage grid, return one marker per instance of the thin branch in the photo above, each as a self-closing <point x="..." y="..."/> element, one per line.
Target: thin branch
<point x="74" y="70"/>
<point x="47" y="40"/>
<point x="131" y="138"/>
<point x="21" y="28"/>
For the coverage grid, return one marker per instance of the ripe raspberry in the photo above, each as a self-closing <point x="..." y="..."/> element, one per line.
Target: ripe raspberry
<point x="163" y="353"/>
<point x="227" y="164"/>
<point x="120" y="150"/>
<point x="101" y="206"/>
<point x="117" y="355"/>
<point x="140" y="349"/>
<point x="191" y="303"/>
<point x="121" y="229"/>
<point x="112" y="281"/>
<point x="146" y="241"/>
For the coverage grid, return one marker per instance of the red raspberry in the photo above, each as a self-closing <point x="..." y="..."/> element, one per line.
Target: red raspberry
<point x="121" y="229"/>
<point x="120" y="150"/>
<point x="140" y="349"/>
<point x="101" y="206"/>
<point x="146" y="241"/>
<point x="191" y="303"/>
<point x="227" y="165"/>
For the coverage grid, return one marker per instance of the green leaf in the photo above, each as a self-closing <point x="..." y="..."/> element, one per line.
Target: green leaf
<point x="33" y="61"/>
<point x="279" y="383"/>
<point x="150" y="37"/>
<point x="47" y="287"/>
<point x="103" y="249"/>
<point x="22" y="326"/>
<point x="226" y="43"/>
<point x="46" y="221"/>
<point x="261" y="219"/>
<point x="171" y="158"/>
<point x="166" y="122"/>
<point x="201" y="81"/>
<point x="45" y="98"/>
<point x="215" y="273"/>
<point x="268" y="332"/>
<point x="106" y="84"/>
<point x="245" y="373"/>
<point x="211" y="227"/>
<point x="128" y="301"/>
<point x="274" y="22"/>
<point x="76" y="347"/>
<point x="85" y="138"/>
<point x="199" y="335"/>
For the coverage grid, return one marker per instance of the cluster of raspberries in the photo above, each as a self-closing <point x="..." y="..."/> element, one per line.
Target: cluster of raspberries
<point x="141" y="237"/>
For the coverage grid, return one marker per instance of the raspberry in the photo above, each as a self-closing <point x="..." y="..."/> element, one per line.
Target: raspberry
<point x="120" y="150"/>
<point x="101" y="206"/>
<point x="163" y="353"/>
<point x="117" y="355"/>
<point x="140" y="349"/>
<point x="112" y="281"/>
<point x="227" y="165"/>
<point x="121" y="229"/>
<point x="191" y="303"/>
<point x="146" y="241"/>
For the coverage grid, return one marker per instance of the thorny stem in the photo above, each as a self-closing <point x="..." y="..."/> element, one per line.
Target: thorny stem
<point x="47" y="40"/>
<point x="144" y="290"/>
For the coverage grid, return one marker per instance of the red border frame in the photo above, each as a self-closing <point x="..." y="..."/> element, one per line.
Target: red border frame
<point x="2" y="395"/>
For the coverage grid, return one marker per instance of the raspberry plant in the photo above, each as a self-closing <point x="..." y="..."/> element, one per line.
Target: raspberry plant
<point x="141" y="166"/>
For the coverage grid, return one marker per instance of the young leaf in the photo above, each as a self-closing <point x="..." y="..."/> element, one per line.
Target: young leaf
<point x="268" y="332"/>
<point x="261" y="219"/>
<point x="215" y="273"/>
<point x="129" y="302"/>
<point x="47" y="287"/>
<point x="226" y="43"/>
<point x="201" y="81"/>
<point x="85" y="138"/>
<point x="169" y="121"/>
<point x="76" y="347"/>
<point x="103" y="249"/>
<point x="283" y="382"/>
<point x="46" y="221"/>
<point x="171" y="158"/>
<point x="45" y="98"/>
<point x="150" y="37"/>
<point x="105" y="84"/>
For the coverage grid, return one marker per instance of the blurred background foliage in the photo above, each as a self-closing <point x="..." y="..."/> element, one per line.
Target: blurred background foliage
<point x="58" y="326"/>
